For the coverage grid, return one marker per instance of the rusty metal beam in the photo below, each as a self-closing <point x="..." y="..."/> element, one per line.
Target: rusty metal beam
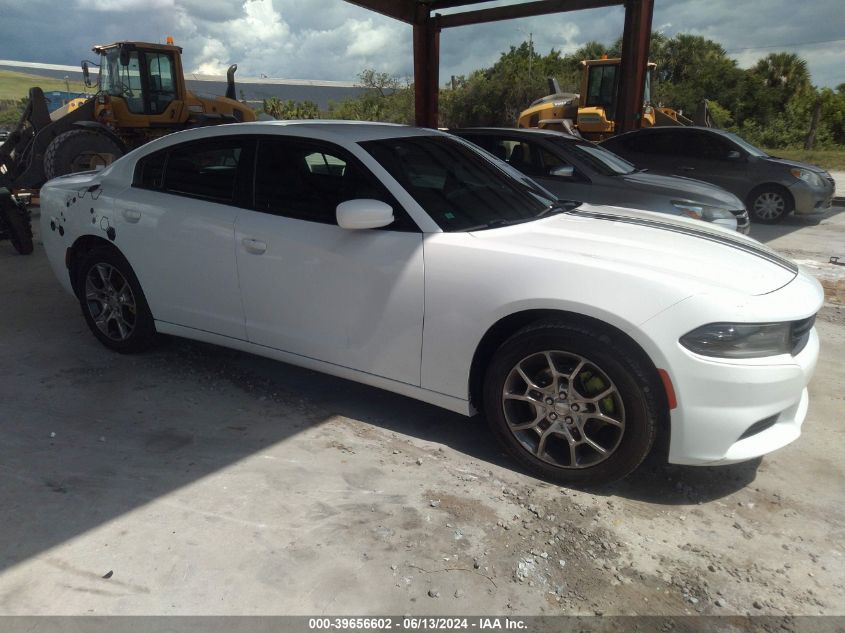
<point x="404" y="10"/>
<point x="426" y="68"/>
<point x="636" y="39"/>
<point x="435" y="5"/>
<point x="524" y="10"/>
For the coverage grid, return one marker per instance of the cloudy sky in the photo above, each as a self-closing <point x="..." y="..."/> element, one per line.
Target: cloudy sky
<point x="331" y="39"/>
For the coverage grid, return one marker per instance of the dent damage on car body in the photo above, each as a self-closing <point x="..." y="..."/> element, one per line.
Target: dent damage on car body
<point x="98" y="219"/>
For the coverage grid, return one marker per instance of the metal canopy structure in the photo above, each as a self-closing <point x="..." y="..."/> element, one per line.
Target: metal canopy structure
<point x="427" y="23"/>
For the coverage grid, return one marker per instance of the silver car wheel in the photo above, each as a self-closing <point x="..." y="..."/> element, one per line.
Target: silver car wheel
<point x="769" y="205"/>
<point x="563" y="409"/>
<point x="110" y="301"/>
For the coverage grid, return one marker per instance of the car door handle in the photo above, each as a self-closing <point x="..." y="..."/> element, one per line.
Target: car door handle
<point x="131" y="215"/>
<point x="256" y="247"/>
<point x="685" y="168"/>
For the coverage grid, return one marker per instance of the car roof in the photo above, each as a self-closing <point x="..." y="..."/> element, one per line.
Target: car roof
<point x="337" y="131"/>
<point x="517" y="131"/>
<point x="681" y="129"/>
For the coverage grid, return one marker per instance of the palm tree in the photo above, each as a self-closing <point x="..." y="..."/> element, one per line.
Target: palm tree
<point x="786" y="72"/>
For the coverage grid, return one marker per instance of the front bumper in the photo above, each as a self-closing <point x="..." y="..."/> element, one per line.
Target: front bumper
<point x="721" y="405"/>
<point x="812" y="199"/>
<point x="732" y="410"/>
<point x="743" y="222"/>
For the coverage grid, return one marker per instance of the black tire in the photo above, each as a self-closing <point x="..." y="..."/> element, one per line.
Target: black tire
<point x="143" y="334"/>
<point x="19" y="226"/>
<point x="632" y="378"/>
<point x="79" y="150"/>
<point x="769" y="204"/>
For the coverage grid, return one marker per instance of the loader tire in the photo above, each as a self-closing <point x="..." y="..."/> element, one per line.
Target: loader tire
<point x="79" y="150"/>
<point x="19" y="226"/>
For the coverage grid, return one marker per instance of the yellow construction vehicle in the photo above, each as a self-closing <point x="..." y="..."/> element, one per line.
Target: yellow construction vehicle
<point x="139" y="95"/>
<point x="592" y="112"/>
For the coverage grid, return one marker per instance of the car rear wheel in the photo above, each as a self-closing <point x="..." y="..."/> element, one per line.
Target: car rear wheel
<point x="769" y="205"/>
<point x="571" y="404"/>
<point x="113" y="303"/>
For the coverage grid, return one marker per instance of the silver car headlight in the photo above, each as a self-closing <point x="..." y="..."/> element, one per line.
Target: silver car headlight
<point x="702" y="211"/>
<point x="810" y="177"/>
<point x="739" y="340"/>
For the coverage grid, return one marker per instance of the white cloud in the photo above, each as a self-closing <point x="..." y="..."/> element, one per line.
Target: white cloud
<point x="332" y="39"/>
<point x="105" y="6"/>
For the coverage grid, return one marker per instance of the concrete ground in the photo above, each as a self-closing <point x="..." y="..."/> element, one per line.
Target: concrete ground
<point x="196" y="480"/>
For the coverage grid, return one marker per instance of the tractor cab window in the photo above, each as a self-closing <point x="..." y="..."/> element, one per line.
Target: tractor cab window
<point x="601" y="87"/>
<point x="162" y="87"/>
<point x="123" y="80"/>
<point x="647" y="86"/>
<point x="146" y="81"/>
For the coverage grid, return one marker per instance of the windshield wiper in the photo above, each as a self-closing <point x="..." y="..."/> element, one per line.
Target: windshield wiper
<point x="492" y="224"/>
<point x="561" y="206"/>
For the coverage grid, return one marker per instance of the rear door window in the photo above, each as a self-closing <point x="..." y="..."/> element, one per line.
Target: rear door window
<point x="661" y="142"/>
<point x="207" y="170"/>
<point x="704" y="146"/>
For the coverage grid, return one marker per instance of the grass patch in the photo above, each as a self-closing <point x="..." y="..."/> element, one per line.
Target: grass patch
<point x="828" y="158"/>
<point x="15" y="85"/>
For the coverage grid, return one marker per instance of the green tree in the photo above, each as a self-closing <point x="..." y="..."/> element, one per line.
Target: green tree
<point x="11" y="110"/>
<point x="386" y="98"/>
<point x="289" y="110"/>
<point x="496" y="95"/>
<point x="786" y="72"/>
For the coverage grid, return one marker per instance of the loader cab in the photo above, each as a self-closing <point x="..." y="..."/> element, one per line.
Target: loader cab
<point x="602" y="84"/>
<point x="599" y="97"/>
<point x="145" y="78"/>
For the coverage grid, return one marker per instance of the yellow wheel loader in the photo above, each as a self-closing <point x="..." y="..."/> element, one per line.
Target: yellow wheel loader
<point x="140" y="95"/>
<point x="592" y="112"/>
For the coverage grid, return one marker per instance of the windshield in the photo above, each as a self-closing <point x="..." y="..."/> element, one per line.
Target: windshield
<point x="748" y="147"/>
<point x="601" y="160"/>
<point x="457" y="186"/>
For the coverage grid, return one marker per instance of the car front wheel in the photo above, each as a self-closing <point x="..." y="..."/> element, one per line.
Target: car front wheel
<point x="572" y="404"/>
<point x="769" y="205"/>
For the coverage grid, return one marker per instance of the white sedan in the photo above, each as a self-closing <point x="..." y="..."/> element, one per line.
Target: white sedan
<point x="405" y="259"/>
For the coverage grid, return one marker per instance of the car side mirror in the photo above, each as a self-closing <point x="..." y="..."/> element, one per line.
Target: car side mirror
<point x="563" y="171"/>
<point x="86" y="75"/>
<point x="734" y="155"/>
<point x="123" y="56"/>
<point x="364" y="214"/>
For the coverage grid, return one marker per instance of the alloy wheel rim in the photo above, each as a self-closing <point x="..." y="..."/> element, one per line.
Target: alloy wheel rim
<point x="563" y="409"/>
<point x="110" y="302"/>
<point x="769" y="205"/>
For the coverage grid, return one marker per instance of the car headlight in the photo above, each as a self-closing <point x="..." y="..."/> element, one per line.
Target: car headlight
<point x="810" y="177"/>
<point x="739" y="340"/>
<point x="701" y="211"/>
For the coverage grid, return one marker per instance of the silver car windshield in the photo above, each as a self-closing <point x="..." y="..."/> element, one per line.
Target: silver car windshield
<point x="602" y="160"/>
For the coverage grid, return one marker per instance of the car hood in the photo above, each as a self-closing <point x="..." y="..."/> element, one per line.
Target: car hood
<point x="694" y="253"/>
<point x="790" y="164"/>
<point x="681" y="189"/>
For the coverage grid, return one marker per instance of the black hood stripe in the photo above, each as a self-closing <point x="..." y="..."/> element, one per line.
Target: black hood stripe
<point x="760" y="252"/>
